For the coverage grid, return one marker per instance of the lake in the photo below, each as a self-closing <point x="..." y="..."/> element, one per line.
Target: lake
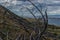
<point x="54" y="22"/>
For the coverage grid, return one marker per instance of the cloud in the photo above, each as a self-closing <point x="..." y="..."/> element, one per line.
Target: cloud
<point x="53" y="10"/>
<point x="53" y="1"/>
<point x="40" y="1"/>
<point x="53" y="5"/>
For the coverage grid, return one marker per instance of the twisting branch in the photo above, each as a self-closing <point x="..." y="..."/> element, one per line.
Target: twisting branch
<point x="31" y="37"/>
<point x="44" y="37"/>
<point x="44" y="19"/>
<point x="45" y="23"/>
<point x="37" y="9"/>
<point x="31" y="13"/>
<point x="46" y="16"/>
<point x="36" y="29"/>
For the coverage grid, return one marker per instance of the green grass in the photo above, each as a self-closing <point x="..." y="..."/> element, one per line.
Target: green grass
<point x="54" y="30"/>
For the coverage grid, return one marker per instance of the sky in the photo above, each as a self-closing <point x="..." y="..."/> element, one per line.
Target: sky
<point x="53" y="6"/>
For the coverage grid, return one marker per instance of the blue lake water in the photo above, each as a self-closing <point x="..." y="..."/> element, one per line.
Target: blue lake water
<point x="54" y="22"/>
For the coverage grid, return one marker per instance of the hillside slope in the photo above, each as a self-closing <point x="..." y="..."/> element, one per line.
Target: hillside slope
<point x="12" y="24"/>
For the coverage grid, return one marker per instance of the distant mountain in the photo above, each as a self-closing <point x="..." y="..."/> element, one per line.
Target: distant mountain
<point x="54" y="16"/>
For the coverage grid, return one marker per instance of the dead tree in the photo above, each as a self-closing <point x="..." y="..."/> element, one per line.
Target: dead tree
<point x="44" y="17"/>
<point x="39" y="33"/>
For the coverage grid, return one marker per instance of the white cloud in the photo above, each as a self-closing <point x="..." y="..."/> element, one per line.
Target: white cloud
<point x="40" y="1"/>
<point x="56" y="1"/>
<point x="53" y="10"/>
<point x="53" y="1"/>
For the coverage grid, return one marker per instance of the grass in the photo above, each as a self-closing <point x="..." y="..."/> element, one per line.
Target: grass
<point x="54" y="29"/>
<point x="15" y="31"/>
